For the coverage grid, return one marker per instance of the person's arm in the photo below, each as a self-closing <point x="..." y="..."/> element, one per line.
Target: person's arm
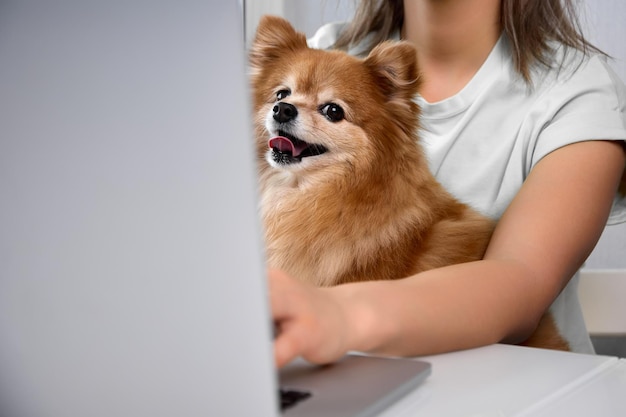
<point x="542" y="239"/>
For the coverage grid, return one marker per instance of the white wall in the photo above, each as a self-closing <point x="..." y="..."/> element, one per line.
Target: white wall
<point x="308" y="16"/>
<point x="605" y="25"/>
<point x="305" y="16"/>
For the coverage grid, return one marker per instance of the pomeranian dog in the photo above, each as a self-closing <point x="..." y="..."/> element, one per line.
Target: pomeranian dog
<point x="346" y="191"/>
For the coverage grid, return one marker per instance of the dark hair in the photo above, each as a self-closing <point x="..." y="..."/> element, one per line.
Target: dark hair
<point x="530" y="26"/>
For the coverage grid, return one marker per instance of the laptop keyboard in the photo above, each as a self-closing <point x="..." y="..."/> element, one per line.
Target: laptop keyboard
<point x="289" y="397"/>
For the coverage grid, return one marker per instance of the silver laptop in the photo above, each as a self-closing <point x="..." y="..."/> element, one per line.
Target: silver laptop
<point x="131" y="267"/>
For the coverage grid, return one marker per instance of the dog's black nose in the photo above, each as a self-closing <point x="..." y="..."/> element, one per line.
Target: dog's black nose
<point x="284" y="112"/>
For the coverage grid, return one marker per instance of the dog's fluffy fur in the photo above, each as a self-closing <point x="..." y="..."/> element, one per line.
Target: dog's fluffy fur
<point x="346" y="192"/>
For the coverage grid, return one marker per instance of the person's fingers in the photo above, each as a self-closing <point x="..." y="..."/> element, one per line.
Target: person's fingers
<point x="281" y="291"/>
<point x="286" y="349"/>
<point x="308" y="321"/>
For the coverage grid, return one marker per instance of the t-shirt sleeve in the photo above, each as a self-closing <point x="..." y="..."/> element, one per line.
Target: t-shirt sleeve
<point x="588" y="105"/>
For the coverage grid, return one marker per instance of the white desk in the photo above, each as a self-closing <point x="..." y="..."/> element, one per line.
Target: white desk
<point x="502" y="380"/>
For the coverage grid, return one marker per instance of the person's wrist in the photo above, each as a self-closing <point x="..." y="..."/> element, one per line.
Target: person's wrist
<point x="364" y="330"/>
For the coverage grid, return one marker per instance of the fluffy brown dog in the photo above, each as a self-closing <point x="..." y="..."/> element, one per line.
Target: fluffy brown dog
<point x="346" y="192"/>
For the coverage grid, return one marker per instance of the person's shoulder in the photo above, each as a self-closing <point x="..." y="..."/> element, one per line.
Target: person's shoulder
<point x="326" y="36"/>
<point x="599" y="67"/>
<point x="573" y="72"/>
<point x="571" y="65"/>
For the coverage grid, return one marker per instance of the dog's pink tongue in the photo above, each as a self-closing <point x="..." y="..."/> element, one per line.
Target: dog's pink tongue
<point x="284" y="144"/>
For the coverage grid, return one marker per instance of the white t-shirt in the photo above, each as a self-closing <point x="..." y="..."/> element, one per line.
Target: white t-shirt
<point x="483" y="142"/>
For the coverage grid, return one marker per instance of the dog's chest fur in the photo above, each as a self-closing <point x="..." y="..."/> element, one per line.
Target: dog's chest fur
<point x="326" y="236"/>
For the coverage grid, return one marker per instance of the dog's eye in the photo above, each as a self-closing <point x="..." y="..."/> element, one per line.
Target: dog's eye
<point x="332" y="111"/>
<point x="281" y="94"/>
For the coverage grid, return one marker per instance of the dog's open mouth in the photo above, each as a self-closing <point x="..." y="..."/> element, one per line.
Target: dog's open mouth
<point x="287" y="149"/>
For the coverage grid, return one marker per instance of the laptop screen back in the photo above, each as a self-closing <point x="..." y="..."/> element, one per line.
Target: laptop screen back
<point x="131" y="272"/>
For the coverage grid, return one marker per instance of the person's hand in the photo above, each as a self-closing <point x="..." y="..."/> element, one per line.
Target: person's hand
<point x="310" y="321"/>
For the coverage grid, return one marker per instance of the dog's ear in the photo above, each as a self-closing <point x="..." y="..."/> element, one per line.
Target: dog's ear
<point x="394" y="67"/>
<point x="274" y="37"/>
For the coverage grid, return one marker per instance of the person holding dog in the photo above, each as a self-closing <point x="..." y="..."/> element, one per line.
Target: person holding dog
<point x="522" y="119"/>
